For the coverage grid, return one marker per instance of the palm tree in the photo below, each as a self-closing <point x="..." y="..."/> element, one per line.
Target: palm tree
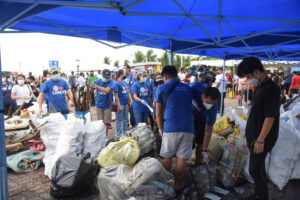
<point x="150" y="57"/>
<point x="107" y="60"/>
<point x="187" y="61"/>
<point x="116" y="64"/>
<point x="139" y="57"/>
<point x="126" y="62"/>
<point x="164" y="59"/>
<point x="177" y="62"/>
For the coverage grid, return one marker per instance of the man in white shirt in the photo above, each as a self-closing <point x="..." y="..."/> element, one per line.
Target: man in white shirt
<point x="81" y="81"/>
<point x="221" y="82"/>
<point x="235" y="82"/>
<point x="182" y="74"/>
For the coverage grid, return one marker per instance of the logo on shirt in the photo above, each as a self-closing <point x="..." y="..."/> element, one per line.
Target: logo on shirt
<point x="124" y="91"/>
<point x="58" y="90"/>
<point x="143" y="91"/>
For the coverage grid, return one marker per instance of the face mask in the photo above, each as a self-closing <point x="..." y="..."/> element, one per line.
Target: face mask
<point x="48" y="79"/>
<point x="252" y="82"/>
<point x="3" y="79"/>
<point x="32" y="84"/>
<point x="56" y="77"/>
<point x="20" y="82"/>
<point x="92" y="74"/>
<point x="105" y="80"/>
<point x="124" y="77"/>
<point x="207" y="105"/>
<point x="144" y="79"/>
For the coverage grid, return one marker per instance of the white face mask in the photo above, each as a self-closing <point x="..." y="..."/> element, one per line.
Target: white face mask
<point x="3" y="79"/>
<point x="20" y="82"/>
<point x="252" y="82"/>
<point x="207" y="105"/>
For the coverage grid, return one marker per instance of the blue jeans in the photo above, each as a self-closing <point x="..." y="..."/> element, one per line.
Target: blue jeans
<point x="122" y="121"/>
<point x="140" y="117"/>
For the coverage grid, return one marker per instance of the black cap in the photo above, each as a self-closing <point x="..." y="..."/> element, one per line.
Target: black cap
<point x="106" y="73"/>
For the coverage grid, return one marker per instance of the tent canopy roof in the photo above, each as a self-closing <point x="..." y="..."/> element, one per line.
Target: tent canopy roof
<point x="190" y="25"/>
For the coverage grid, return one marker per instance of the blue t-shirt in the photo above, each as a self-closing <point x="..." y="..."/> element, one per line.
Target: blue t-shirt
<point x="56" y="91"/>
<point x="178" y="113"/>
<point x="120" y="88"/>
<point x="154" y="95"/>
<point x="128" y="78"/>
<point x="103" y="100"/>
<point x="142" y="91"/>
<point x="46" y="95"/>
<point x="288" y="79"/>
<point x="204" y="116"/>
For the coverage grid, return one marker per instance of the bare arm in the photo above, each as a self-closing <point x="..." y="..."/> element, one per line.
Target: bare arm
<point x="40" y="100"/>
<point x="102" y="89"/>
<point x="70" y="95"/>
<point x="136" y="97"/>
<point x="217" y="85"/>
<point x="117" y="99"/>
<point x="159" y="116"/>
<point x="207" y="137"/>
<point x="267" y="125"/>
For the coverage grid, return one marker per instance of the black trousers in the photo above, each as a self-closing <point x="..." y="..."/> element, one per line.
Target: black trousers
<point x="92" y="98"/>
<point x="219" y="103"/>
<point x="132" y="120"/>
<point x="257" y="170"/>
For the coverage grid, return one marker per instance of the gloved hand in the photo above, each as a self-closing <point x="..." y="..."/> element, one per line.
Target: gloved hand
<point x="143" y="102"/>
<point x="204" y="157"/>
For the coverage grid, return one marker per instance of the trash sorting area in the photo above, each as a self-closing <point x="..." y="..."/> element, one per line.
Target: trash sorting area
<point x="77" y="155"/>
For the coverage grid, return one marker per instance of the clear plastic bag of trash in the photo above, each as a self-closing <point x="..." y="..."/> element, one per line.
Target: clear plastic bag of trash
<point x="204" y="176"/>
<point x="146" y="180"/>
<point x="143" y="135"/>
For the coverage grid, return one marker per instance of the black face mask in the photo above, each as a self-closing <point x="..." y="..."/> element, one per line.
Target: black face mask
<point x="92" y="74"/>
<point x="124" y="77"/>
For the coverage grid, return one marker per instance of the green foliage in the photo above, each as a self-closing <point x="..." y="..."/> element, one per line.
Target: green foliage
<point x="139" y="57"/>
<point x="177" y="61"/>
<point x="164" y="59"/>
<point x="126" y="62"/>
<point x="187" y="61"/>
<point x="116" y="64"/>
<point x="196" y="58"/>
<point x="150" y="56"/>
<point x="107" y="60"/>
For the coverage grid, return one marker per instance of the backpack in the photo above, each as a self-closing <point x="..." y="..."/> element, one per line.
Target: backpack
<point x="71" y="175"/>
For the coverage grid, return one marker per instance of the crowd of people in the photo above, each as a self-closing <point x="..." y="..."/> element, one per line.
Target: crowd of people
<point x="182" y="106"/>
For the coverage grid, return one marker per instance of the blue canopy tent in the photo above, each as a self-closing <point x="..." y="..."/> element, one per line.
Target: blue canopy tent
<point x="227" y="28"/>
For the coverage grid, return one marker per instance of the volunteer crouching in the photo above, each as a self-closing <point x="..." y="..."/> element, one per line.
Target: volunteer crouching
<point x="263" y="122"/>
<point x="174" y="115"/>
<point x="56" y="90"/>
<point x="104" y="95"/>
<point x="205" y="109"/>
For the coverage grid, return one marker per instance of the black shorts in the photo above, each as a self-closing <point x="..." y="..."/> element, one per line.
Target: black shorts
<point x="229" y="85"/>
<point x="199" y="131"/>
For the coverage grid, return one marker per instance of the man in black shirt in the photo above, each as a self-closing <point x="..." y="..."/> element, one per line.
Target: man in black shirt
<point x="263" y="122"/>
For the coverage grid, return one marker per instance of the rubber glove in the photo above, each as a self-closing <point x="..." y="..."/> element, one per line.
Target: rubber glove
<point x="143" y="102"/>
<point x="205" y="158"/>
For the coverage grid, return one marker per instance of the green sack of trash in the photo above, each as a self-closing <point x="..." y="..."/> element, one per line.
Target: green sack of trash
<point x="25" y="161"/>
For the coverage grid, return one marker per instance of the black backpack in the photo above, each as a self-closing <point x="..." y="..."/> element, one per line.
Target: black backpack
<point x="71" y="175"/>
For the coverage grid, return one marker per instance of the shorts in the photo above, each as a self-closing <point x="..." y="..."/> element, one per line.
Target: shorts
<point x="104" y="114"/>
<point x="229" y="85"/>
<point x="199" y="132"/>
<point x="179" y="144"/>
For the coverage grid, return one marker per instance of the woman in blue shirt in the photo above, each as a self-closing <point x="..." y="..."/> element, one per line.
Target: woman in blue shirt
<point x="123" y="100"/>
<point x="141" y="97"/>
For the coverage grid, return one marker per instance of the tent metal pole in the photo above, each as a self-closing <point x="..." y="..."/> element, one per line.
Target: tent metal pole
<point x="261" y="19"/>
<point x="171" y="53"/>
<point x="3" y="170"/>
<point x="278" y="44"/>
<point x="11" y="21"/>
<point x="247" y="96"/>
<point x="137" y="2"/>
<point x="219" y="21"/>
<point x="222" y="96"/>
<point x="260" y="33"/>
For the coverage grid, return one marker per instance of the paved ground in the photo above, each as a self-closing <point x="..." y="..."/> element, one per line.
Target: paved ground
<point x="36" y="186"/>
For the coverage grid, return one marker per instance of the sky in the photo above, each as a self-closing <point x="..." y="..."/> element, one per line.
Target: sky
<point x="31" y="52"/>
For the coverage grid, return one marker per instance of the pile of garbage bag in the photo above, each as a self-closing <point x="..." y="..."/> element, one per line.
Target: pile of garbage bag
<point x="147" y="179"/>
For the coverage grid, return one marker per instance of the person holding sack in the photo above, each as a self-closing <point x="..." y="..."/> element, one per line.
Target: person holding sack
<point x="103" y="101"/>
<point x="22" y="93"/>
<point x="124" y="101"/>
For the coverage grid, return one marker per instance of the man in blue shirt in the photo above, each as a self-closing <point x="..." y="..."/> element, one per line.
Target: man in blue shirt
<point x="104" y="88"/>
<point x="56" y="90"/>
<point x="205" y="109"/>
<point x="176" y="122"/>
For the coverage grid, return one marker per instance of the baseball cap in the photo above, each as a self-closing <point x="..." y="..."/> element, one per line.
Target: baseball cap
<point x="53" y="69"/>
<point x="141" y="72"/>
<point x="106" y="73"/>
